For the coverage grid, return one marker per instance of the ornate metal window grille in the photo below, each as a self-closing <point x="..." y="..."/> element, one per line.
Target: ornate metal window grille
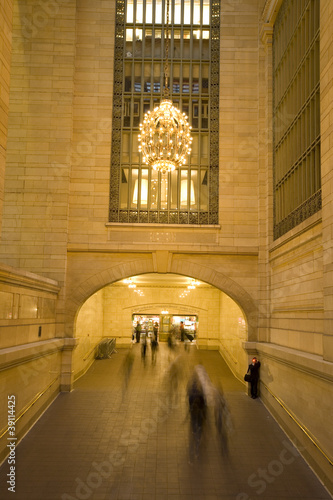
<point x="190" y="194"/>
<point x="296" y="114"/>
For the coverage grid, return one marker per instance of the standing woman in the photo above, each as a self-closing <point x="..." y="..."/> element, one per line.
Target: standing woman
<point x="138" y="331"/>
<point x="253" y="369"/>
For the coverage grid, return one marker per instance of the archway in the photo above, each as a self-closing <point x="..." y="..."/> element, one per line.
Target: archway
<point x="219" y="321"/>
<point x="88" y="274"/>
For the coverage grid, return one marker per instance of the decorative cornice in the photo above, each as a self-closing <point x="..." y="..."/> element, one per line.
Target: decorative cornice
<point x="270" y="11"/>
<point x="12" y="276"/>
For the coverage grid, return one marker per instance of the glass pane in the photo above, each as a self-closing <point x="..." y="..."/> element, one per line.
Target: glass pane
<point x="205" y="12"/>
<point x="124" y="188"/>
<point x="196" y="44"/>
<point x="186" y="44"/>
<point x="174" y="189"/>
<point x="129" y="43"/>
<point x="135" y="148"/>
<point x="196" y="12"/>
<point x="203" y="190"/>
<point x="154" y="190"/>
<point x="186" y="78"/>
<point x="129" y="11"/>
<point x="195" y="150"/>
<point x="128" y="75"/>
<point x="205" y="48"/>
<point x="157" y="44"/>
<point x="158" y="73"/>
<point x="187" y="12"/>
<point x="148" y="42"/>
<point x="125" y="146"/>
<point x="183" y="189"/>
<point x="139" y="11"/>
<point x="177" y="12"/>
<point x="137" y="78"/>
<point x="149" y="11"/>
<point x="175" y="78"/>
<point x="134" y="188"/>
<point x="164" y="191"/>
<point x="147" y="77"/>
<point x="144" y="188"/>
<point x="138" y="43"/>
<point x="158" y="12"/>
<point x="176" y="44"/>
<point x="204" y="150"/>
<point x="194" y="189"/>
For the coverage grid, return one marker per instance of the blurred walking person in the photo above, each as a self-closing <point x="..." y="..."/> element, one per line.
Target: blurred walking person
<point x="127" y="370"/>
<point x="153" y="346"/>
<point x="144" y="348"/>
<point x="198" y="414"/>
<point x="223" y="422"/>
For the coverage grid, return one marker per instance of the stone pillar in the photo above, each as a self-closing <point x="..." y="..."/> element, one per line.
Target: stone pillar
<point x="6" y="22"/>
<point x="265" y="177"/>
<point x="326" y="105"/>
<point x="67" y="372"/>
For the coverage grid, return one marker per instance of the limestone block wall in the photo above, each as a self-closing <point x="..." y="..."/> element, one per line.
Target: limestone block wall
<point x="6" y="15"/>
<point x="34" y="232"/>
<point x="326" y="103"/>
<point x="30" y="356"/>
<point x="238" y="190"/>
<point x="89" y="330"/>
<point x="27" y="307"/>
<point x="92" y="122"/>
<point x="233" y="334"/>
<point x="297" y="387"/>
<point x="296" y="269"/>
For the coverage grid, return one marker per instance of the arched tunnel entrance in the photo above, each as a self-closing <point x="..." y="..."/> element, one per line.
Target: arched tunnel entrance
<point x="210" y="316"/>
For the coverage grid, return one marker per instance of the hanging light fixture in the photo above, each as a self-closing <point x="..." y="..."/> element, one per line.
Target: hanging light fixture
<point x="165" y="139"/>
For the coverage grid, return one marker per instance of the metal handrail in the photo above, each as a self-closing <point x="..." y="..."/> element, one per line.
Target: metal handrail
<point x="301" y="426"/>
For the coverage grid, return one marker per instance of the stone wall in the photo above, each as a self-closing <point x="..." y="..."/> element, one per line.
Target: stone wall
<point x="30" y="356"/>
<point x="89" y="330"/>
<point x="6" y="15"/>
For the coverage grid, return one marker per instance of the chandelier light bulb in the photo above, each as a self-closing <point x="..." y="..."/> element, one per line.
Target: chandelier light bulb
<point x="165" y="134"/>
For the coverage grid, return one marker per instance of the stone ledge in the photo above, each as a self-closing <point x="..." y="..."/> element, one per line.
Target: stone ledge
<point x="312" y="364"/>
<point x="13" y="356"/>
<point x="13" y="276"/>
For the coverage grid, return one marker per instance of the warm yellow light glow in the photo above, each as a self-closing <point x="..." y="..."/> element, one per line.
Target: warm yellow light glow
<point x="144" y="192"/>
<point x="165" y="139"/>
<point x="184" y="193"/>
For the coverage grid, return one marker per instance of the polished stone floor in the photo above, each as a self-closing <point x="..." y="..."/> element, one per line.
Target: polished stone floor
<point x="123" y="434"/>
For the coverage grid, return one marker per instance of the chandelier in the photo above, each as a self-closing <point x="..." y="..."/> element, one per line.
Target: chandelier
<point x="165" y="138"/>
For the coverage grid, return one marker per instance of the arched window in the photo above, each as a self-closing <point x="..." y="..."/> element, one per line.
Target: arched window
<point x="188" y="195"/>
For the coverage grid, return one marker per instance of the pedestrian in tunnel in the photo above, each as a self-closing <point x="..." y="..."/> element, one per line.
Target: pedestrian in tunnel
<point x="198" y="414"/>
<point x="153" y="346"/>
<point x="138" y="329"/>
<point x="172" y="378"/>
<point x="223" y="422"/>
<point x="253" y="370"/>
<point x="144" y="348"/>
<point x="127" y="369"/>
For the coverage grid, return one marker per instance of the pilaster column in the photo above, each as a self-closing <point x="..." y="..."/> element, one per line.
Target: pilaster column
<point x="6" y="27"/>
<point x="326" y="106"/>
<point x="265" y="178"/>
<point x="67" y="372"/>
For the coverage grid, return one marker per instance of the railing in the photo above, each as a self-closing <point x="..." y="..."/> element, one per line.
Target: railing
<point x="301" y="426"/>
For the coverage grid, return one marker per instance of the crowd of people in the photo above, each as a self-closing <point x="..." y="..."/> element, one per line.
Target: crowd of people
<point x="206" y="404"/>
